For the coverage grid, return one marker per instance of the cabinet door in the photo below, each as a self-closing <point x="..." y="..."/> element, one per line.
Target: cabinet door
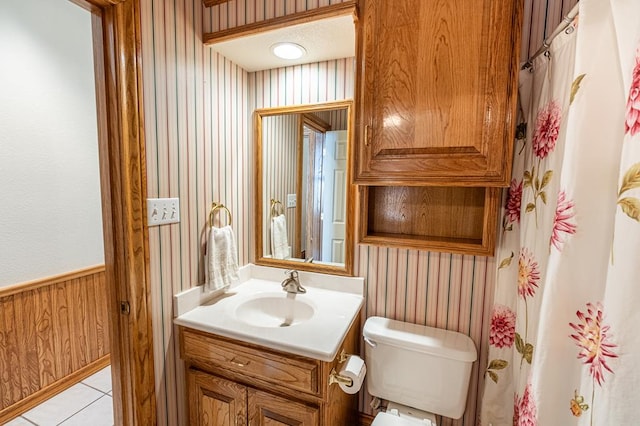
<point x="437" y="83"/>
<point x="214" y="401"/>
<point x="270" y="410"/>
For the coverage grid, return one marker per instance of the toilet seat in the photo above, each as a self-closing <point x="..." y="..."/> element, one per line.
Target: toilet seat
<point x="388" y="419"/>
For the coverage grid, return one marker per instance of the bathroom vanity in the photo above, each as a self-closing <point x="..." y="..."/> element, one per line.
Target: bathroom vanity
<point x="251" y="360"/>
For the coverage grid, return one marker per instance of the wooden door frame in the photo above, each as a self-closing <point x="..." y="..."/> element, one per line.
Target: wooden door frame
<point x="123" y="183"/>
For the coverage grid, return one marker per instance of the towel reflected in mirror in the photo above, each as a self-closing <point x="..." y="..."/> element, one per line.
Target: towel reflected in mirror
<point x="279" y="241"/>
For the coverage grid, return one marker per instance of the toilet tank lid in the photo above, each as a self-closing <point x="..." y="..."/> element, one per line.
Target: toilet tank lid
<point x="434" y="341"/>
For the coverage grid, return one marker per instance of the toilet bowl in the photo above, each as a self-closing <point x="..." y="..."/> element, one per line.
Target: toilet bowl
<point x="422" y="371"/>
<point x="401" y="415"/>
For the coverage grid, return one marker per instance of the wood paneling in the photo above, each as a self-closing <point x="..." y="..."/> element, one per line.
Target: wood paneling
<point x="51" y="331"/>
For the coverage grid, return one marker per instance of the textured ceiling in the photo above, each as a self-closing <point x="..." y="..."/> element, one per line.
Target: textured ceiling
<point x="326" y="39"/>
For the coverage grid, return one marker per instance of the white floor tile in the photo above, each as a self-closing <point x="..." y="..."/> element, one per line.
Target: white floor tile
<point x="19" y="421"/>
<point x="63" y="405"/>
<point x="100" y="380"/>
<point x="100" y="413"/>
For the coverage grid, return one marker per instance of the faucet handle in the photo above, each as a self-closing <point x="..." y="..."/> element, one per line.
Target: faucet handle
<point x="293" y="274"/>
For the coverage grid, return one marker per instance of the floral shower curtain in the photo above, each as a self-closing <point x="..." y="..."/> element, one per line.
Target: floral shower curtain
<point x="564" y="333"/>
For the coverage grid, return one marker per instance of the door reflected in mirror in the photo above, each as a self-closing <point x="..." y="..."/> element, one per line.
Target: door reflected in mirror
<point x="304" y="195"/>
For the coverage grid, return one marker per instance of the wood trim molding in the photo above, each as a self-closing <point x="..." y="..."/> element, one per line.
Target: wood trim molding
<point x="50" y="391"/>
<point x="260" y="258"/>
<point x="52" y="280"/>
<point x="96" y="6"/>
<point x="340" y="9"/>
<point x="117" y="59"/>
<point x="209" y="3"/>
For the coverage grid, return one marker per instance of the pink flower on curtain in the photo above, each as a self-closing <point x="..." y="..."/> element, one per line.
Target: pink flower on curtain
<point x="503" y="327"/>
<point x="528" y="273"/>
<point x="516" y="409"/>
<point x="593" y="340"/>
<point x="527" y="410"/>
<point x="562" y="223"/>
<point x="547" y="129"/>
<point x="514" y="198"/>
<point x="632" y="120"/>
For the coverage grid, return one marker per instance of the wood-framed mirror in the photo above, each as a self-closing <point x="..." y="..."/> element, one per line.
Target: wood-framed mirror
<point x="304" y="200"/>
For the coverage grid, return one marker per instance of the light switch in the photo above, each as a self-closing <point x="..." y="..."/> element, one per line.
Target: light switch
<point x="161" y="211"/>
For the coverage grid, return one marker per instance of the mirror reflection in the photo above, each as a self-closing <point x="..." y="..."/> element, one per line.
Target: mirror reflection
<point x="302" y="157"/>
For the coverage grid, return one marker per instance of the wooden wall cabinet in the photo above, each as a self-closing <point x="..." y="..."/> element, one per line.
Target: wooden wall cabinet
<point x="450" y="219"/>
<point x="436" y="90"/>
<point x="437" y="83"/>
<point x="232" y="383"/>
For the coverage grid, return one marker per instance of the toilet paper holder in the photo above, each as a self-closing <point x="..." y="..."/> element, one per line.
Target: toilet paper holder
<point x="335" y="377"/>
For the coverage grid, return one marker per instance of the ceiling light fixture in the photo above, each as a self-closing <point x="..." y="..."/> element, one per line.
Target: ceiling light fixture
<point x="288" y="50"/>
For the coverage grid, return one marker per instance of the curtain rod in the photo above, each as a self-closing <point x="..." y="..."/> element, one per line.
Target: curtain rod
<point x="547" y="42"/>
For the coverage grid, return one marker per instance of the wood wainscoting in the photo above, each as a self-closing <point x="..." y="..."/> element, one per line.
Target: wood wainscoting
<point x="53" y="333"/>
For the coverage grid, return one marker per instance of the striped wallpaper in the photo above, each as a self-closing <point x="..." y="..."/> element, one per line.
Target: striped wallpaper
<point x="198" y="125"/>
<point x="541" y="17"/>
<point x="198" y="149"/>
<point x="280" y="169"/>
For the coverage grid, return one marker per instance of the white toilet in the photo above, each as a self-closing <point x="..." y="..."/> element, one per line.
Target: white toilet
<point x="422" y="371"/>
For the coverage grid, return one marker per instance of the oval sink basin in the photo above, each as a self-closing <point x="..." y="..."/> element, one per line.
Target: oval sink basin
<point x="274" y="311"/>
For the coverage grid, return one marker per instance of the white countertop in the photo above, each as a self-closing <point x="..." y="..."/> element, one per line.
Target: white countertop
<point x="318" y="337"/>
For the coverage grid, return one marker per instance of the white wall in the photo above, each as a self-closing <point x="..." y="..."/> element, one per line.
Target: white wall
<point x="50" y="214"/>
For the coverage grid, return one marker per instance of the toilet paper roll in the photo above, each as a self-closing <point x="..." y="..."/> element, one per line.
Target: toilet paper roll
<point x="355" y="369"/>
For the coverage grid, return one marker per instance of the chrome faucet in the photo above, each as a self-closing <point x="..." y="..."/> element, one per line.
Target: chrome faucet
<point x="291" y="284"/>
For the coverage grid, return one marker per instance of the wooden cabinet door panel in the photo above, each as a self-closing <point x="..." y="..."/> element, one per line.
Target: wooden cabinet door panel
<point x="214" y="401"/>
<point x="437" y="88"/>
<point x="270" y="410"/>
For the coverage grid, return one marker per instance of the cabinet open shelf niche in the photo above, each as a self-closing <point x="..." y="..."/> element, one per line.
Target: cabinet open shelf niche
<point x="436" y="218"/>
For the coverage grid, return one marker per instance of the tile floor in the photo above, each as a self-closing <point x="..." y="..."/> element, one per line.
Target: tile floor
<point x="85" y="403"/>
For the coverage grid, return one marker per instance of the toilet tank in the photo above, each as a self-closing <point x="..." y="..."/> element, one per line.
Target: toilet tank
<point x="422" y="367"/>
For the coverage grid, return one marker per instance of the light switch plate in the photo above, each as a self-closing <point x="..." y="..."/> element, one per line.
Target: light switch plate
<point x="161" y="211"/>
<point x="291" y="201"/>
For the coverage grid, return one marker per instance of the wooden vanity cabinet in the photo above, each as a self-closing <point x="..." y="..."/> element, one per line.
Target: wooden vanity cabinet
<point x="233" y="383"/>
<point x="436" y="84"/>
<point x="216" y="401"/>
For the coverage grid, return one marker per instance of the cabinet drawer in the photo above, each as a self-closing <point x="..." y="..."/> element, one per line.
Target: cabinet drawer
<point x="260" y="364"/>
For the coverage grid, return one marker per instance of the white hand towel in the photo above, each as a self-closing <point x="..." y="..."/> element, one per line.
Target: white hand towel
<point x="222" y="258"/>
<point x="279" y="240"/>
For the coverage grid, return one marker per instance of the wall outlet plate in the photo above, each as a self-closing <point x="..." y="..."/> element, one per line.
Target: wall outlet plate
<point x="161" y="211"/>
